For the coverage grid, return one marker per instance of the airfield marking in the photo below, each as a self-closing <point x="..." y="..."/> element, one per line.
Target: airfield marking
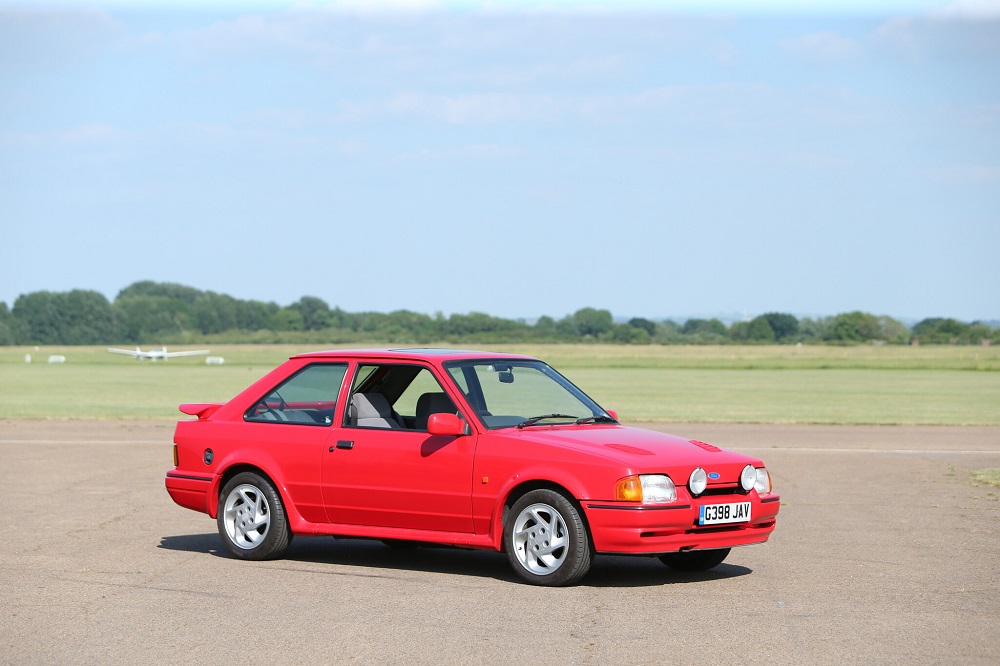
<point x="88" y="442"/>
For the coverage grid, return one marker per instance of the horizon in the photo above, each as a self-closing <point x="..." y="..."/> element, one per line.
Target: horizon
<point x="727" y="318"/>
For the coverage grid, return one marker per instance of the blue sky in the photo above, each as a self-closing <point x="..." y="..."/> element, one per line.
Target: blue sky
<point x="525" y="158"/>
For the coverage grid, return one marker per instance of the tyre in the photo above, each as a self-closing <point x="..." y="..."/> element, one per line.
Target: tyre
<point x="695" y="560"/>
<point x="252" y="520"/>
<point x="545" y="539"/>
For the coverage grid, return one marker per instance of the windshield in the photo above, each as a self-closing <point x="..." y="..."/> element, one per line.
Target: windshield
<point x="523" y="393"/>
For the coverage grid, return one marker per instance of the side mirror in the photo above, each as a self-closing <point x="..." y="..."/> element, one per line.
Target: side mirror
<point x="612" y="413"/>
<point x="446" y="425"/>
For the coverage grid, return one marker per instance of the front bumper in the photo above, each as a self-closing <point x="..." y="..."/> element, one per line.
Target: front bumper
<point x="622" y="528"/>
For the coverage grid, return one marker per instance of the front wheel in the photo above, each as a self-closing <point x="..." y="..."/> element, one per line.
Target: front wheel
<point x="695" y="560"/>
<point x="545" y="539"/>
<point x="252" y="520"/>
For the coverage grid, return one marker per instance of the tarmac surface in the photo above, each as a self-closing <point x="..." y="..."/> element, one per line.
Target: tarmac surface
<point x="886" y="551"/>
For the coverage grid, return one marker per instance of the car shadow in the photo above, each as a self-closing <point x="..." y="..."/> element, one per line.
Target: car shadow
<point x="605" y="571"/>
<point x="193" y="543"/>
<point x="625" y="571"/>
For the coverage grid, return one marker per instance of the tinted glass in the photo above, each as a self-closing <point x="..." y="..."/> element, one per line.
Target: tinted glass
<point x="395" y="397"/>
<point x="508" y="393"/>
<point x="307" y="398"/>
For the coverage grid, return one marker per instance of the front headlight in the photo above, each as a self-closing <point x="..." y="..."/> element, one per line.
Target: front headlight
<point x="646" y="488"/>
<point x="763" y="484"/>
<point x="657" y="488"/>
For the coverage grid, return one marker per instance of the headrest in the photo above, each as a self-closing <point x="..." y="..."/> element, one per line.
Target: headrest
<point x="371" y="406"/>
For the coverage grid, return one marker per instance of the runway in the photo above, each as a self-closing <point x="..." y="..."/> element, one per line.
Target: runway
<point x="885" y="552"/>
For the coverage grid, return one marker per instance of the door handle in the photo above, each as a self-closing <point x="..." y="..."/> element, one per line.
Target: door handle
<point x="343" y="444"/>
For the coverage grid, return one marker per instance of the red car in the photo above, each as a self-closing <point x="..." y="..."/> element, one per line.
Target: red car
<point x="471" y="449"/>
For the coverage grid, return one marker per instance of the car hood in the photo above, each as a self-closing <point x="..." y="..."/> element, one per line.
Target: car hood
<point x="636" y="447"/>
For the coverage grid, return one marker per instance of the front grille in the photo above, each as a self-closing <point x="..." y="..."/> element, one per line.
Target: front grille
<point x="711" y="529"/>
<point x="716" y="491"/>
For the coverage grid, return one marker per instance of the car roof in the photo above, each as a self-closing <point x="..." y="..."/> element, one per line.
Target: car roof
<point x="412" y="354"/>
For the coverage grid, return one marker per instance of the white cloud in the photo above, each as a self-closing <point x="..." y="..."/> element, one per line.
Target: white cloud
<point x="581" y="70"/>
<point x="292" y="32"/>
<point x="826" y="47"/>
<point x="353" y="147"/>
<point x="970" y="9"/>
<point x="476" y="151"/>
<point x="39" y="37"/>
<point x="376" y="7"/>
<point x="817" y="161"/>
<point x="975" y="174"/>
<point x="92" y="134"/>
<point x="719" y="105"/>
<point x="476" y="108"/>
<point x="899" y="33"/>
<point x="940" y="36"/>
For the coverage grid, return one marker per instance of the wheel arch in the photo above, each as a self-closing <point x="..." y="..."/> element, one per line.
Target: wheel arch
<point x="241" y="530"/>
<point x="239" y="468"/>
<point x="525" y="487"/>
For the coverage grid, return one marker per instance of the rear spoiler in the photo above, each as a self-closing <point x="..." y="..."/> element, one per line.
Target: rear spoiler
<point x="200" y="409"/>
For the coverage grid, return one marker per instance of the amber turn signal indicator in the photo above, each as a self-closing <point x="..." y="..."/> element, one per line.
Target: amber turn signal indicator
<point x="629" y="489"/>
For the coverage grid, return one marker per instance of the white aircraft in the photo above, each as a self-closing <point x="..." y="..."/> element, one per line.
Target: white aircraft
<point x="155" y="354"/>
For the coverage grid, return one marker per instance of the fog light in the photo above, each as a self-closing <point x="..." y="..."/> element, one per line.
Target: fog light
<point x="748" y="478"/>
<point x="698" y="481"/>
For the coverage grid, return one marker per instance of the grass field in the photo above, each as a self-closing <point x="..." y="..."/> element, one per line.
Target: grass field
<point x="990" y="476"/>
<point x="724" y="384"/>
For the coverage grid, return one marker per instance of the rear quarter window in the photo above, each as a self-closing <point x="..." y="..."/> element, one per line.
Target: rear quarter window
<point x="309" y="397"/>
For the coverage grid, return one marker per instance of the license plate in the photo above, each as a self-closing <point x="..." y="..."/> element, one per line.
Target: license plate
<point x="717" y="514"/>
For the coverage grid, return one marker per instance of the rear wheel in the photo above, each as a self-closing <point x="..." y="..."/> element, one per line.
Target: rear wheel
<point x="252" y="520"/>
<point x="545" y="539"/>
<point x="695" y="560"/>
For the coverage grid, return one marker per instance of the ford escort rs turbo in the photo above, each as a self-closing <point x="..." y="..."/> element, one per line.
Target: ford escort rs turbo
<point x="470" y="449"/>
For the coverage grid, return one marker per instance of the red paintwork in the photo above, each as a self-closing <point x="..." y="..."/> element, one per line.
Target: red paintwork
<point x="453" y="489"/>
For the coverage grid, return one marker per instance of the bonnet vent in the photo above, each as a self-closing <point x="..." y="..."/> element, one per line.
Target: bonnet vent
<point x="705" y="445"/>
<point x="629" y="449"/>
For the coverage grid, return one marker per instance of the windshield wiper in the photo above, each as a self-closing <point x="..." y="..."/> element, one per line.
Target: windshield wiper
<point x="600" y="418"/>
<point x="535" y="419"/>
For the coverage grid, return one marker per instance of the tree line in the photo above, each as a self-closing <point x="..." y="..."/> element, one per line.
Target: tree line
<point x="157" y="313"/>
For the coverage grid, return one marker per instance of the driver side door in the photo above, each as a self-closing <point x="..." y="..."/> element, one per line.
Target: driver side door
<point x="385" y="469"/>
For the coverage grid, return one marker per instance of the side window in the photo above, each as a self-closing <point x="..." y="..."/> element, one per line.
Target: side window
<point x="396" y="397"/>
<point x="409" y="401"/>
<point x="309" y="397"/>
